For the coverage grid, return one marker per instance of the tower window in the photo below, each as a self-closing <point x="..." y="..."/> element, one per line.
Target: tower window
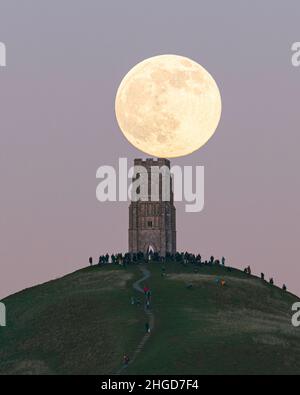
<point x="149" y="224"/>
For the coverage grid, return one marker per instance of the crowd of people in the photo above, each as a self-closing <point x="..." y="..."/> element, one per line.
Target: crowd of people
<point x="140" y="257"/>
<point x="247" y="270"/>
<point x="184" y="258"/>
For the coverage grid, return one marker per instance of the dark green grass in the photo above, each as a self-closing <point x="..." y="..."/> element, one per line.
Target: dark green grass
<point x="241" y="328"/>
<point x="80" y="324"/>
<point x="84" y="322"/>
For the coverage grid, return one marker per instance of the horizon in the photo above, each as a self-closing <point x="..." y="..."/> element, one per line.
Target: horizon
<point x="256" y="276"/>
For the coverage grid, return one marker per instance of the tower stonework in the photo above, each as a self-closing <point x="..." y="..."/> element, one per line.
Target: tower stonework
<point x="152" y="224"/>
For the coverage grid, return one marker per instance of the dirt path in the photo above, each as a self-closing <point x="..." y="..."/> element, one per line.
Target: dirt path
<point x="137" y="286"/>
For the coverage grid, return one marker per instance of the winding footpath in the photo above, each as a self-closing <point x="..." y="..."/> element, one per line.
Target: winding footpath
<point x="137" y="286"/>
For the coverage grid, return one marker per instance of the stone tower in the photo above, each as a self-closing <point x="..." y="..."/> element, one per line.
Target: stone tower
<point x="152" y="224"/>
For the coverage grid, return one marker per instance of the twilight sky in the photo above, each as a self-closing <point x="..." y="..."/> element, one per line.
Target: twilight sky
<point x="65" y="60"/>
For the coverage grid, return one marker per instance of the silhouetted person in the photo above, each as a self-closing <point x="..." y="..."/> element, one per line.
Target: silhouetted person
<point x="262" y="276"/>
<point x="90" y="260"/>
<point x="148" y="294"/>
<point x="284" y="287"/>
<point x="198" y="259"/>
<point x="126" y="359"/>
<point x="137" y="301"/>
<point x="271" y="281"/>
<point x="223" y="261"/>
<point x="247" y="270"/>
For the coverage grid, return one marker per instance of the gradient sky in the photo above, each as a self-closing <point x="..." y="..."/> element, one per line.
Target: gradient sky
<point x="65" y="60"/>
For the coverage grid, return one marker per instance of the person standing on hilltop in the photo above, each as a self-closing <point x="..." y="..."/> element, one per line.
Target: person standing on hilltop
<point x="247" y="270"/>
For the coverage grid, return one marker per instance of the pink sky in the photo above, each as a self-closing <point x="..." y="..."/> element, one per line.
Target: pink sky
<point x="64" y="63"/>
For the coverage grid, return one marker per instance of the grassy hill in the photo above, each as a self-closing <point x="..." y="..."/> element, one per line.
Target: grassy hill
<point x="83" y="323"/>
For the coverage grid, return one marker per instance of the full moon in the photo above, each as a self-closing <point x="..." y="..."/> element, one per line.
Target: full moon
<point x="168" y="106"/>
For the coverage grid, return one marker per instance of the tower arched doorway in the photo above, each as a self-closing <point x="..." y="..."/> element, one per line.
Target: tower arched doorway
<point x="150" y="251"/>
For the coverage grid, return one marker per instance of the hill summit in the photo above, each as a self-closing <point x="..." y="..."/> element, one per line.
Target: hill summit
<point x="206" y="320"/>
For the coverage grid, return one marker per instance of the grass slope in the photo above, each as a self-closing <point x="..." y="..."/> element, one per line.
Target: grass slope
<point x="84" y="322"/>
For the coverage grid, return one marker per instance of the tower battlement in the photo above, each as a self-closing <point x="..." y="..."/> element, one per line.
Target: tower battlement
<point x="148" y="162"/>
